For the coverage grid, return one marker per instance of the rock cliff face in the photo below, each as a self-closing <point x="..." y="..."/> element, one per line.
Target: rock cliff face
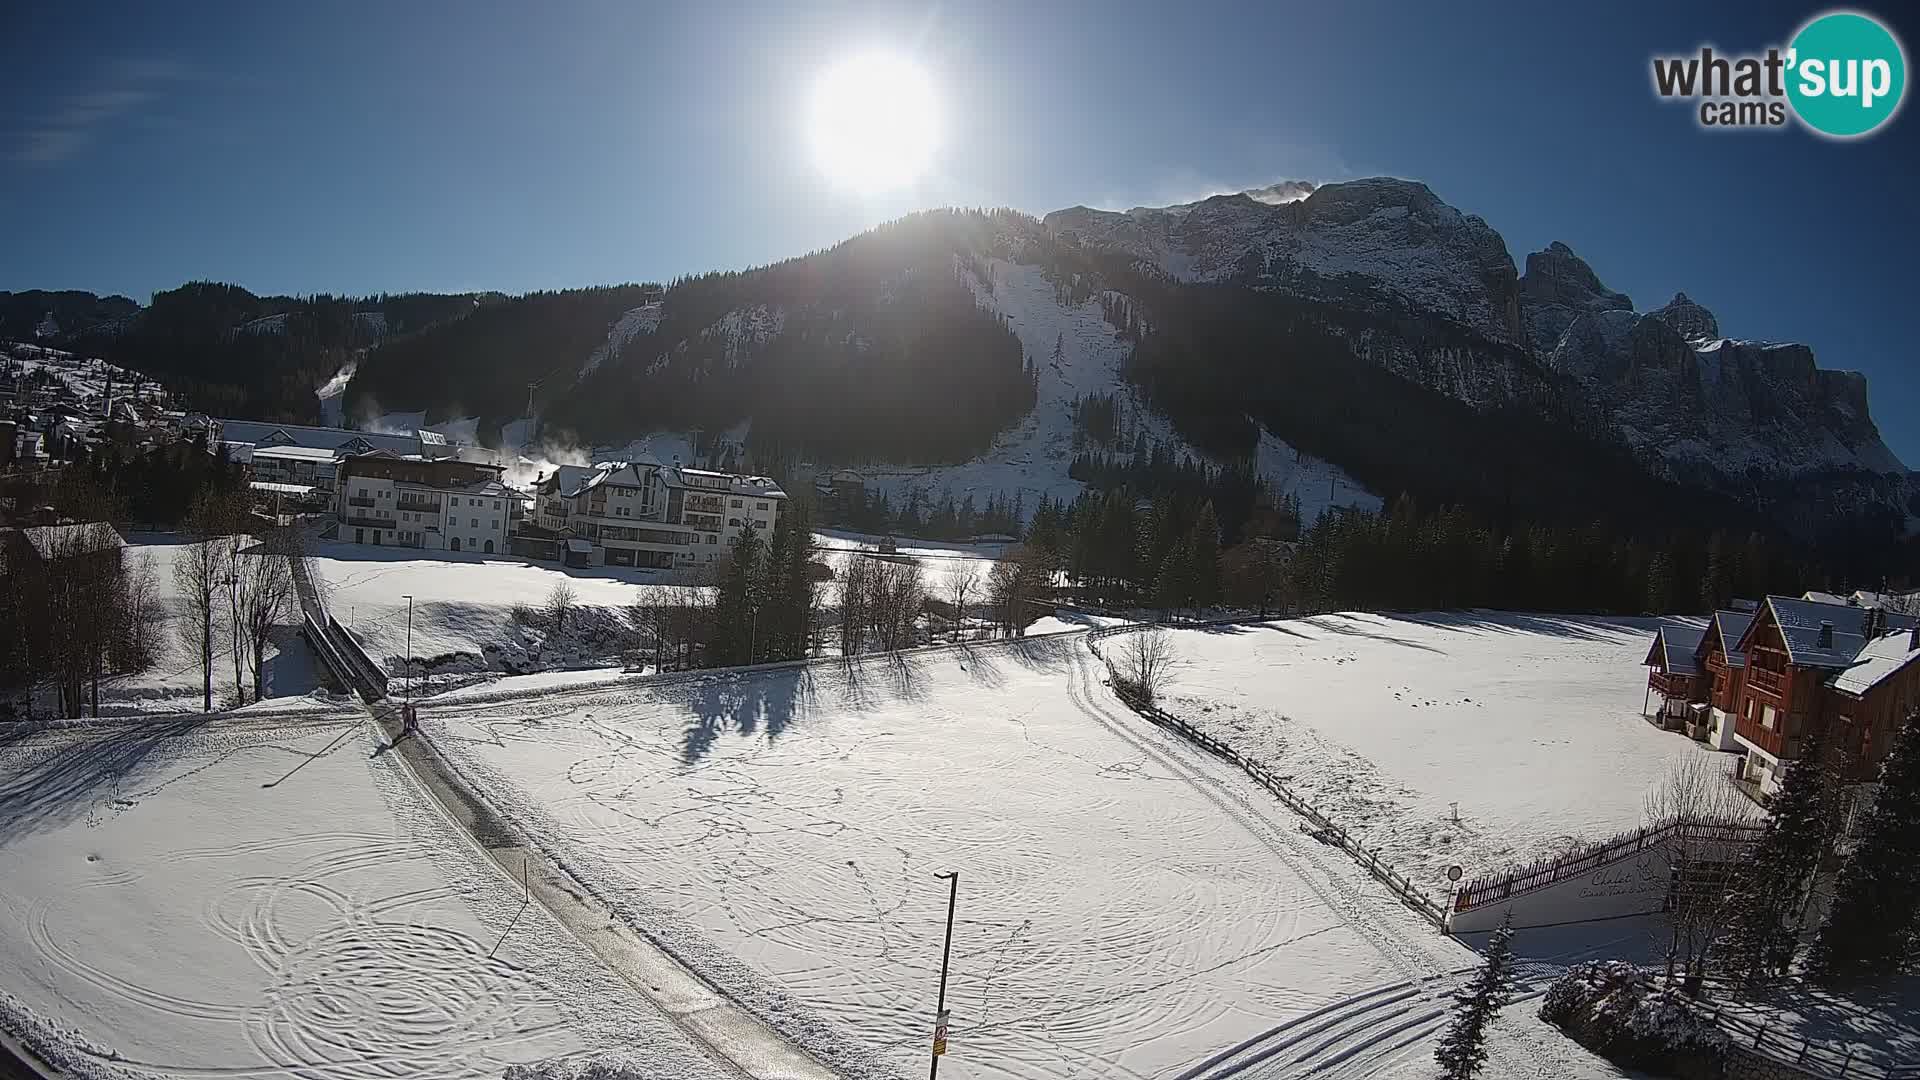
<point x="1699" y="406"/>
<point x="1372" y="243"/>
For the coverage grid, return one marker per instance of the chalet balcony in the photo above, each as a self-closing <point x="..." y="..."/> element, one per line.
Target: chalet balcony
<point x="555" y="510"/>
<point x="358" y="500"/>
<point x="1772" y="740"/>
<point x="418" y="506"/>
<point x="1669" y="685"/>
<point x="1767" y="682"/>
<point x="367" y="521"/>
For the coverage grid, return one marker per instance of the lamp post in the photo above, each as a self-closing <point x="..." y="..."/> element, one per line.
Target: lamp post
<point x="940" y="1011"/>
<point x="407" y="708"/>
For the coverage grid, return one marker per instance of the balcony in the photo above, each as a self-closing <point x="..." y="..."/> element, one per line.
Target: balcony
<point x="1767" y="682"/>
<point x="418" y="507"/>
<point x="368" y="522"/>
<point x="1678" y="687"/>
<point x="359" y="500"/>
<point x="555" y="510"/>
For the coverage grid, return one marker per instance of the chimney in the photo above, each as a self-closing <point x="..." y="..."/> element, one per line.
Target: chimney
<point x="1874" y="621"/>
<point x="1913" y="638"/>
<point x="1826" y="635"/>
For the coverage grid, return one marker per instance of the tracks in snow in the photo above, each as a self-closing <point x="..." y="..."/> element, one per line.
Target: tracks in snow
<point x="1358" y="1036"/>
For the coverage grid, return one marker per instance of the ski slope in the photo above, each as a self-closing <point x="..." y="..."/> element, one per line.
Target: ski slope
<point x="1127" y="907"/>
<point x="1529" y="723"/>
<point x="243" y="899"/>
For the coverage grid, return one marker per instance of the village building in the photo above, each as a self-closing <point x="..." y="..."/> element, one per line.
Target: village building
<point x="1768" y="683"/>
<point x="437" y="503"/>
<point x="646" y="514"/>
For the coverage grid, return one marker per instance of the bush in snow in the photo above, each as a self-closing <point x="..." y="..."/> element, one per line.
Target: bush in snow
<point x="1616" y="1009"/>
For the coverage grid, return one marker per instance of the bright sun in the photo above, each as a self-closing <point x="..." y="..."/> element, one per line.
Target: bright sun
<point x="874" y="122"/>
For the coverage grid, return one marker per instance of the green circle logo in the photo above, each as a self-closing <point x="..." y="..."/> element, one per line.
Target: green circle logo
<point x="1846" y="74"/>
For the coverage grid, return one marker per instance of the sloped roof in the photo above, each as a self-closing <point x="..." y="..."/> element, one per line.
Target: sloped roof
<point x="1879" y="660"/>
<point x="1732" y="626"/>
<point x="261" y="432"/>
<point x="1674" y="645"/>
<point x="1800" y="620"/>
<point x="51" y="541"/>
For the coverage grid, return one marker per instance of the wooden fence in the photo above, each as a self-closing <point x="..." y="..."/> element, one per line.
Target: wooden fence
<point x="1324" y="828"/>
<point x="1498" y="887"/>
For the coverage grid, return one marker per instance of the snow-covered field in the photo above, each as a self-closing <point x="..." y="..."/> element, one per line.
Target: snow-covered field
<point x="463" y="607"/>
<point x="1529" y="723"/>
<point x="234" y="900"/>
<point x="1127" y="907"/>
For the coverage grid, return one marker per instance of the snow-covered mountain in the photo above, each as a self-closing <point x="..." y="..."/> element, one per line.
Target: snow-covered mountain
<point x="1682" y="393"/>
<point x="1371" y="243"/>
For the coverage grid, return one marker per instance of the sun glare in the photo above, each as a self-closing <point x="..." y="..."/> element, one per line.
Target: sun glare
<point x="874" y="122"/>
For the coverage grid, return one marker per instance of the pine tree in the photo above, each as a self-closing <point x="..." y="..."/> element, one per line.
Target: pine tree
<point x="1463" y="1049"/>
<point x="1204" y="550"/>
<point x="734" y="611"/>
<point x="1870" y="930"/>
<point x="1770" y="891"/>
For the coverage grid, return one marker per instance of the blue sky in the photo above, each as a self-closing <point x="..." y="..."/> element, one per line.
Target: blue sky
<point x="358" y="149"/>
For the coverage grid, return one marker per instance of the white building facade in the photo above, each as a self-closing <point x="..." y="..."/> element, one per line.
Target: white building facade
<point x="443" y="504"/>
<point x="644" y="513"/>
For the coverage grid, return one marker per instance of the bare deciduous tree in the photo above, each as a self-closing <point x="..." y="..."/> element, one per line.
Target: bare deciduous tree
<point x="1698" y="798"/>
<point x="895" y="602"/>
<point x="962" y="583"/>
<point x="1141" y="664"/>
<point x="856" y="587"/>
<point x="558" y="605"/>
<point x="197" y="580"/>
<point x="1017" y="579"/>
<point x="266" y="598"/>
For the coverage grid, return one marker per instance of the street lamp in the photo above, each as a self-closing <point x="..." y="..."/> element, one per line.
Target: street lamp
<point x="407" y="709"/>
<point x="940" y="1011"/>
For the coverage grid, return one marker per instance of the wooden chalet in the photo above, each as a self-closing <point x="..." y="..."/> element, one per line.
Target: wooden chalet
<point x="1723" y="671"/>
<point x="1812" y="667"/>
<point x="1673" y="674"/>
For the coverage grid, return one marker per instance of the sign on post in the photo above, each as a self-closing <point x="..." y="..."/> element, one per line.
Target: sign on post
<point x="940" y="1034"/>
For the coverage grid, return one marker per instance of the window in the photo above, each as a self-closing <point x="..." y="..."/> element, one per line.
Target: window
<point x="496" y="504"/>
<point x="1769" y="718"/>
<point x="760" y="523"/>
<point x="737" y="504"/>
<point x="760" y="506"/>
<point x="712" y="539"/>
<point x="360" y="493"/>
<point x="733" y="523"/>
<point x="473" y="523"/>
<point x="494" y="524"/>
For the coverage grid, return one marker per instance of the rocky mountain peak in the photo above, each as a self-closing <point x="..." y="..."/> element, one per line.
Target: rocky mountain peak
<point x="1694" y="322"/>
<point x="1557" y="288"/>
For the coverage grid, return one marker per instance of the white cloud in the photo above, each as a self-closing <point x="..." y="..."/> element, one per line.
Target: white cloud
<point x="74" y="121"/>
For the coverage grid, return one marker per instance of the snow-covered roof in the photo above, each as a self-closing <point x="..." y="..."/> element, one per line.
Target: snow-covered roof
<point x="1878" y="661"/>
<point x="1800" y="623"/>
<point x="1732" y="626"/>
<point x="1674" y="646"/>
<point x="579" y="545"/>
<point x="266" y="433"/>
<point x="272" y="488"/>
<point x="1818" y="597"/>
<point x="50" y="541"/>
<point x="294" y="453"/>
